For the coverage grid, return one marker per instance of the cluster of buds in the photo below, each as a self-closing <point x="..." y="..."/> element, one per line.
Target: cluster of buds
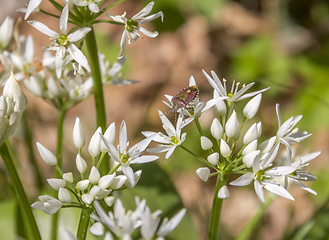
<point x="95" y="186"/>
<point x="257" y="162"/>
<point x="12" y="106"/>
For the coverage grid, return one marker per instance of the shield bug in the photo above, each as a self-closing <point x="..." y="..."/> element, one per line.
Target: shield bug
<point x="183" y="98"/>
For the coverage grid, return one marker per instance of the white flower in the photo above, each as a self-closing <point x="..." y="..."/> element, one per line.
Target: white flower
<point x="170" y="142"/>
<point x="97" y="229"/>
<point x="77" y="89"/>
<point x="92" y="4"/>
<point x="301" y="175"/>
<point x="109" y="135"/>
<point x="126" y="156"/>
<point x="251" y="134"/>
<point x="62" y="42"/>
<point x="262" y="176"/>
<point x="68" y="177"/>
<point x="168" y="226"/>
<point x="13" y="103"/>
<point x="233" y="95"/>
<point x="48" y="204"/>
<point x="189" y="105"/>
<point x="287" y="134"/>
<point x="120" y="222"/>
<point x="33" y="5"/>
<point x="132" y="25"/>
<point x="6" y="32"/>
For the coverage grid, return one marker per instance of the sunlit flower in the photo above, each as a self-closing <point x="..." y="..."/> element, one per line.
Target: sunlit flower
<point x="169" y="142"/>
<point x="126" y="156"/>
<point x="92" y="4"/>
<point x="62" y="42"/>
<point x="132" y="25"/>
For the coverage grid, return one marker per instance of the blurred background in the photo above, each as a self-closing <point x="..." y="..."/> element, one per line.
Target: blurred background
<point x="282" y="44"/>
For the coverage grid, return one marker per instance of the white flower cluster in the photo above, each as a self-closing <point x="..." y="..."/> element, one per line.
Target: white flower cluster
<point x="95" y="186"/>
<point x="123" y="223"/>
<point x="12" y="106"/>
<point x="254" y="160"/>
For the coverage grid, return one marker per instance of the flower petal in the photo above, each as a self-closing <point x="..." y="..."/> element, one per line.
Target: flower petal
<point x="78" y="35"/>
<point x="78" y="56"/>
<point x="43" y="28"/>
<point x="243" y="180"/>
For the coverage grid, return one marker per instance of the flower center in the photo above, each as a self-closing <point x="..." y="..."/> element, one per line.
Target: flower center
<point x="230" y="94"/>
<point x="131" y="24"/>
<point x="62" y="40"/>
<point x="124" y="157"/>
<point x="259" y="175"/>
<point x="174" y="140"/>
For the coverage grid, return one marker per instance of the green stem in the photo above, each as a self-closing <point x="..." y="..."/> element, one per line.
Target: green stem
<point x="213" y="230"/>
<point x="197" y="123"/>
<point x="60" y="123"/>
<point x="32" y="230"/>
<point x="83" y="224"/>
<point x="98" y="86"/>
<point x="198" y="157"/>
<point x="107" y="8"/>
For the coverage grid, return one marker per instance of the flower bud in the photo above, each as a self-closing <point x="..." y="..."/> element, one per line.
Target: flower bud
<point x="224" y="193"/>
<point x="251" y="134"/>
<point x="6" y="32"/>
<point x="87" y="198"/>
<point x="203" y="173"/>
<point x="56" y="183"/>
<point x="109" y="135"/>
<point x="252" y="146"/>
<point x="94" y="144"/>
<point x="225" y="149"/>
<point x="94" y="175"/>
<point x="216" y="129"/>
<point x="232" y="127"/>
<point x="206" y="143"/>
<point x="109" y="200"/>
<point x="3" y="106"/>
<point x="68" y="177"/>
<point x="97" y="229"/>
<point x="118" y="182"/>
<point x="81" y="164"/>
<point x="213" y="158"/>
<point x="252" y="106"/>
<point x="220" y="106"/>
<point x="103" y="193"/>
<point x="64" y="195"/>
<point x="249" y="158"/>
<point x="105" y="181"/>
<point x="259" y="129"/>
<point x="47" y="155"/>
<point x="78" y="134"/>
<point x="95" y="190"/>
<point x="137" y="176"/>
<point x="82" y="185"/>
<point x="10" y="106"/>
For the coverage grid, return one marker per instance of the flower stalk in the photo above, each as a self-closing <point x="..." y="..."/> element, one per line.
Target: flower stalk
<point x="32" y="228"/>
<point x="213" y="229"/>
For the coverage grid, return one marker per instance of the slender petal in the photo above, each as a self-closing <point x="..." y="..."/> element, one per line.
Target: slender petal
<point x="43" y="28"/>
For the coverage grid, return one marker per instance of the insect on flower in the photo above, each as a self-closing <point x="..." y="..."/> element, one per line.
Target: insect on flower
<point x="183" y="98"/>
